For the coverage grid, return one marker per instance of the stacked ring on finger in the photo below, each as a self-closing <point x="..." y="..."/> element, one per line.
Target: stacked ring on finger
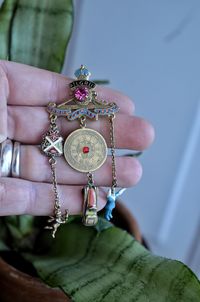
<point x="10" y="159"/>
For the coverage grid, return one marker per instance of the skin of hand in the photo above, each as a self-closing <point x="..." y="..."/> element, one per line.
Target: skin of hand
<point x="24" y="93"/>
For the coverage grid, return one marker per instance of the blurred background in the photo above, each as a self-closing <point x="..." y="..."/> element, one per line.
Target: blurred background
<point x="150" y="50"/>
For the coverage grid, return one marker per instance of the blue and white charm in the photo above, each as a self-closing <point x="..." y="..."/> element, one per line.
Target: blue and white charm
<point x="111" y="201"/>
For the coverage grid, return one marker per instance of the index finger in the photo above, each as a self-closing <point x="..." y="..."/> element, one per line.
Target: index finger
<point x="32" y="86"/>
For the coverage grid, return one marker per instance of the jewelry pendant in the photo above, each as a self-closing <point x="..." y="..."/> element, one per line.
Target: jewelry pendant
<point x="90" y="205"/>
<point x="85" y="150"/>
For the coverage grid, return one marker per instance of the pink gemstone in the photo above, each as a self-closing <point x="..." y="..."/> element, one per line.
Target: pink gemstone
<point x="86" y="149"/>
<point x="81" y="93"/>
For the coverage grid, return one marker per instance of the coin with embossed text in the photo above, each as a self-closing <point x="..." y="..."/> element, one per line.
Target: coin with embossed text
<point x="85" y="150"/>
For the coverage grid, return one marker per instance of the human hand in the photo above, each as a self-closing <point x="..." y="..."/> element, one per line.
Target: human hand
<point x="24" y="93"/>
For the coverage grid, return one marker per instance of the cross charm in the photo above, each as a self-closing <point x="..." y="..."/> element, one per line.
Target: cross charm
<point x="54" y="145"/>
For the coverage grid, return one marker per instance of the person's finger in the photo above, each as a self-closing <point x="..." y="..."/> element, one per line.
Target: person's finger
<point x="18" y="196"/>
<point x="3" y="105"/>
<point x="27" y="125"/>
<point x="36" y="87"/>
<point x="34" y="166"/>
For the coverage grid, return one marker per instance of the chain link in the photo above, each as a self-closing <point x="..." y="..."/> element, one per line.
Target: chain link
<point x="53" y="124"/>
<point x="90" y="179"/>
<point x="52" y="162"/>
<point x="82" y="121"/>
<point x="112" y="148"/>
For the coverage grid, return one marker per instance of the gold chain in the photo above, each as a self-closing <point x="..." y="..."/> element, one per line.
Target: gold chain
<point x="52" y="162"/>
<point x="90" y="179"/>
<point x="53" y="119"/>
<point x="82" y="121"/>
<point x="112" y="148"/>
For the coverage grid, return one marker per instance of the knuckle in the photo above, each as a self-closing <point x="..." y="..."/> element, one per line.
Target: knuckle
<point x="143" y="133"/>
<point x="2" y="192"/>
<point x="137" y="171"/>
<point x="12" y="124"/>
<point x="131" y="172"/>
<point x="53" y="87"/>
<point x="29" y="207"/>
<point x="129" y="104"/>
<point x="148" y="133"/>
<point x="3" y="77"/>
<point x="34" y="166"/>
<point x="28" y="163"/>
<point x="3" y="65"/>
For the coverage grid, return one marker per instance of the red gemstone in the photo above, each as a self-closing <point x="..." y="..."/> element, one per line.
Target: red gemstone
<point x="81" y="93"/>
<point x="86" y="149"/>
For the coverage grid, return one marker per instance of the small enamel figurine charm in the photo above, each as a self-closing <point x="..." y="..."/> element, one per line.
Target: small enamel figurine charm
<point x="111" y="201"/>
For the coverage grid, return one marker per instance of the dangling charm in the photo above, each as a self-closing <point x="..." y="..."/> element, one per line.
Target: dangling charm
<point x="112" y="195"/>
<point x="90" y="202"/>
<point x="52" y="146"/>
<point x="111" y="201"/>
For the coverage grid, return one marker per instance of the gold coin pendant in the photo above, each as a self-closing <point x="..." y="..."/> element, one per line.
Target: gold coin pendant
<point x="85" y="150"/>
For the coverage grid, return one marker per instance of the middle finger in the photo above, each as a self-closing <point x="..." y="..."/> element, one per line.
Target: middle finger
<point x="34" y="166"/>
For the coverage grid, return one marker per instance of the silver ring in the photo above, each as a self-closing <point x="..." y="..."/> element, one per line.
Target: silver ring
<point x="15" y="160"/>
<point x="6" y="151"/>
